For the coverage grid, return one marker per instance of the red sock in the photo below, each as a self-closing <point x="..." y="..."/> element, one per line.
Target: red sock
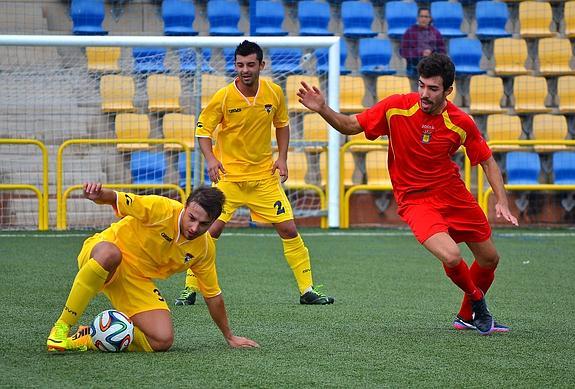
<point x="482" y="277"/>
<point x="461" y="276"/>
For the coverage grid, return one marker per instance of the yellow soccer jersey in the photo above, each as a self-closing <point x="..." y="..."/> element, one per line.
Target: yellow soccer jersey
<point x="150" y="241"/>
<point x="243" y="143"/>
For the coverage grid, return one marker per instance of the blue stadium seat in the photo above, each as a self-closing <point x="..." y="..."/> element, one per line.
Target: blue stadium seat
<point x="313" y="18"/>
<point x="447" y="18"/>
<point x="491" y="18"/>
<point x="564" y="167"/>
<point x="321" y="56"/>
<point x="286" y="61"/>
<point x="269" y="18"/>
<point x="399" y="16"/>
<point x="178" y="17"/>
<point x="357" y="18"/>
<point x="87" y="17"/>
<point x="182" y="170"/>
<point x="224" y="16"/>
<point x="149" y="60"/>
<point x="148" y="167"/>
<point x="522" y="168"/>
<point x="466" y="55"/>
<point x="375" y="55"/>
<point x="188" y="63"/>
<point x="229" y="56"/>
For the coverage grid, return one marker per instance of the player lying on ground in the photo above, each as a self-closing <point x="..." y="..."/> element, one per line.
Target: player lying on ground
<point x="424" y="131"/>
<point x="155" y="238"/>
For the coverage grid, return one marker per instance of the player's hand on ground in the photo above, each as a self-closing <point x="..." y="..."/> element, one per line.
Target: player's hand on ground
<point x="92" y="190"/>
<point x="214" y="169"/>
<point x="241" y="342"/>
<point x="503" y="211"/>
<point x="281" y="165"/>
<point x="311" y="97"/>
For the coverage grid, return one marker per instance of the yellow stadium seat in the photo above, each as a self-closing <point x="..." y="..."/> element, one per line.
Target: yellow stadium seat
<point x="485" y="94"/>
<point x="352" y="91"/>
<point x="348" y="169"/>
<point x="510" y="56"/>
<point x="164" y="93"/>
<point x="569" y="17"/>
<point x="103" y="59"/>
<point x="535" y="19"/>
<point x="181" y="127"/>
<point x="549" y="127"/>
<point x="530" y="92"/>
<point x="132" y="126"/>
<point x="117" y="93"/>
<point x="293" y="83"/>
<point x="210" y="85"/>
<point x="391" y="85"/>
<point x="315" y="132"/>
<point x="503" y="127"/>
<point x="554" y="57"/>
<point x="323" y="168"/>
<point x="297" y="168"/>
<point x="376" y="168"/>
<point x="566" y="94"/>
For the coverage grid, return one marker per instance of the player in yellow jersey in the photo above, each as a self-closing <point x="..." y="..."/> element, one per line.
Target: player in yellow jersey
<point x="155" y="238"/>
<point x="242" y="167"/>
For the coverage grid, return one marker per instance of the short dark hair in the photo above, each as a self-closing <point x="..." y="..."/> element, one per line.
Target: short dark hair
<point x="246" y="48"/>
<point x="423" y="9"/>
<point x="437" y="64"/>
<point x="210" y="199"/>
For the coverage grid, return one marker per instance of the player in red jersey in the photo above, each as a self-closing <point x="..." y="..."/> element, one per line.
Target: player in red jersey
<point x="424" y="131"/>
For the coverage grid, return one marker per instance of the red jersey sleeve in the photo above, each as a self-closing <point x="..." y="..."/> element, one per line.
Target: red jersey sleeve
<point x="475" y="146"/>
<point x="373" y="120"/>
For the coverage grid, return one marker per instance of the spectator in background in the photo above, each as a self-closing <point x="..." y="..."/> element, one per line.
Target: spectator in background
<point x="420" y="40"/>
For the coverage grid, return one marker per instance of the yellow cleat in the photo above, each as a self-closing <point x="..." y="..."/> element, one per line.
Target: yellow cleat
<point x="82" y="339"/>
<point x="58" y="338"/>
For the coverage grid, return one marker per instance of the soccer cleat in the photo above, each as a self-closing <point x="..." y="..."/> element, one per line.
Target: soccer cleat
<point x="462" y="325"/>
<point x="187" y="297"/>
<point x="82" y="339"/>
<point x="482" y="319"/>
<point x="58" y="338"/>
<point x="315" y="297"/>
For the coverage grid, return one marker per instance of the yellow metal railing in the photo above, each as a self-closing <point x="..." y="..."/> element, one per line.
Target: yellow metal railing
<point x="62" y="196"/>
<point x="41" y="194"/>
<point x="527" y="145"/>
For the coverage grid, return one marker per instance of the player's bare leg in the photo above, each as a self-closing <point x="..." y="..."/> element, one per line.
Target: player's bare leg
<point x="153" y="331"/>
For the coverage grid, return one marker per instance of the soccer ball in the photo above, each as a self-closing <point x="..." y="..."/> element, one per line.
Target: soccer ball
<point x="112" y="331"/>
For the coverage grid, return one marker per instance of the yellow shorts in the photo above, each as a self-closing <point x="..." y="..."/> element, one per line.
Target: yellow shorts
<point x="266" y="200"/>
<point x="128" y="291"/>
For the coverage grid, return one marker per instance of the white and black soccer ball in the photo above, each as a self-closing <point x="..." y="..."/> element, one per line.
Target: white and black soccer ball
<point x="112" y="331"/>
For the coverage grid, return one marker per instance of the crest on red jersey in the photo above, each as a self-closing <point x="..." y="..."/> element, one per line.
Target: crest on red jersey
<point x="426" y="136"/>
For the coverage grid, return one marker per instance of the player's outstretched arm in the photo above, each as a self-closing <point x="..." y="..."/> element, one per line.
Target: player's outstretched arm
<point x="496" y="181"/>
<point x="218" y="313"/>
<point x="312" y="98"/>
<point x="95" y="192"/>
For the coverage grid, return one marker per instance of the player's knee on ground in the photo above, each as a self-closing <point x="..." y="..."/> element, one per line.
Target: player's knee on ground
<point x="161" y="342"/>
<point x="107" y="254"/>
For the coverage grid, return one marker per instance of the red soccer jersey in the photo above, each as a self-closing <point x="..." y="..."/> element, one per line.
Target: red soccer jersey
<point x="421" y="145"/>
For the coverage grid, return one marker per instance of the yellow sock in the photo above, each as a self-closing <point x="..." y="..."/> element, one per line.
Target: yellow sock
<point x="140" y="342"/>
<point x="88" y="282"/>
<point x="191" y="280"/>
<point x="297" y="257"/>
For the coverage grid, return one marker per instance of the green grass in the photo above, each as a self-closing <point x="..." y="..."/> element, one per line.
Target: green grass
<point x="390" y="325"/>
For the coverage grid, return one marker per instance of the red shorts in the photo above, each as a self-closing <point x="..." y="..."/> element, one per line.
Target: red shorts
<point x="454" y="211"/>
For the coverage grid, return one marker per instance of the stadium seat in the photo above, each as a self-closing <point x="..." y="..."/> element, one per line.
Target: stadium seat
<point x="523" y="168"/>
<point x="293" y="83"/>
<point x="566" y="94"/>
<point x="391" y="85"/>
<point x="103" y="59"/>
<point x="132" y="126"/>
<point x="182" y="170"/>
<point x="530" y="92"/>
<point x="549" y="127"/>
<point x="224" y="16"/>
<point x="510" y="56"/>
<point x="229" y="54"/>
<point x="313" y="18"/>
<point x="485" y="94"/>
<point x="564" y="167"/>
<point x="149" y="60"/>
<point x="399" y="15"/>
<point x="554" y="57"/>
<point x="569" y="19"/>
<point x="466" y="55"/>
<point x="535" y="19"/>
<point x="188" y="63"/>
<point x="315" y="132"/>
<point x="503" y="127"/>
<point x="447" y="18"/>
<point x="164" y="93"/>
<point x="148" y="167"/>
<point x="322" y="59"/>
<point x="179" y="16"/>
<point x="117" y="93"/>
<point x="375" y="54"/>
<point x="181" y="127"/>
<point x="269" y="18"/>
<point x="297" y="167"/>
<point x="376" y="168"/>
<point x="210" y="85"/>
<point x="491" y="17"/>
<point x="87" y="17"/>
<point x="357" y="17"/>
<point x="286" y="61"/>
<point x="352" y="91"/>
